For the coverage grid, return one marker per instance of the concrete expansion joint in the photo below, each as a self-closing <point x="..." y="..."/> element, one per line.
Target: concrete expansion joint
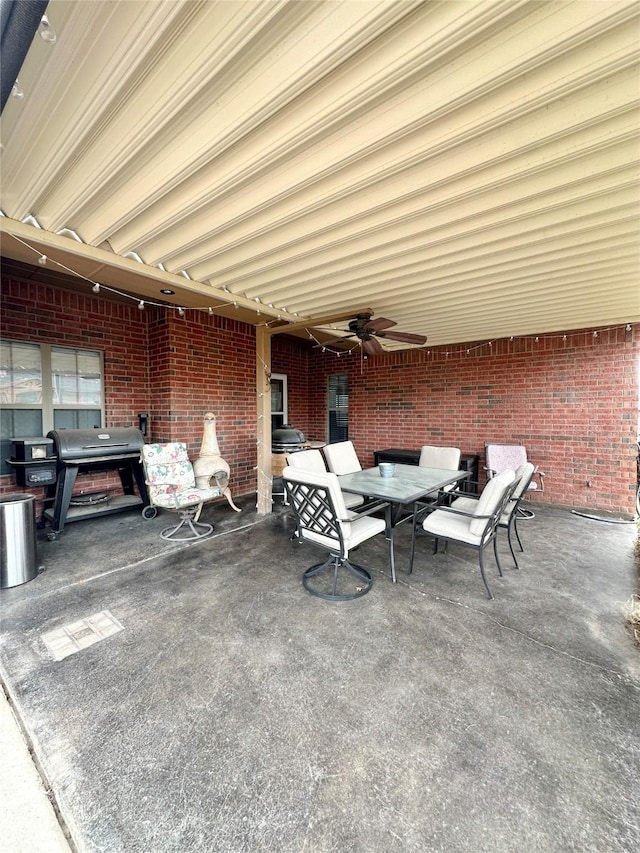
<point x="174" y="548"/>
<point x="528" y="637"/>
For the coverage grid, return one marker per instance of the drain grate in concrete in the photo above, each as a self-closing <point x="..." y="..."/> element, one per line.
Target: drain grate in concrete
<point x="79" y="635"/>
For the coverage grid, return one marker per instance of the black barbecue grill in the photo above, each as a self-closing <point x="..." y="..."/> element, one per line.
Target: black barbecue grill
<point x="85" y="451"/>
<point x="286" y="439"/>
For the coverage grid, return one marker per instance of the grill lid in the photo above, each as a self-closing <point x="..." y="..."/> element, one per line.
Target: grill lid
<point x="286" y="438"/>
<point x="92" y="443"/>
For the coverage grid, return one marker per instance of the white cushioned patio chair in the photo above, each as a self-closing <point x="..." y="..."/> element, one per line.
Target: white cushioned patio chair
<point x="171" y="485"/>
<point x="313" y="460"/>
<point x="476" y="527"/>
<point x="342" y="458"/>
<point x="502" y="456"/>
<point x="434" y="456"/>
<point x="509" y="518"/>
<point x="323" y="519"/>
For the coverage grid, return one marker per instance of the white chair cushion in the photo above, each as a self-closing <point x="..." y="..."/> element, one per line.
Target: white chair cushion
<point x="307" y="460"/>
<point x="522" y="474"/>
<point x="361" y="529"/>
<point x="448" y="525"/>
<point x="352" y="501"/>
<point x="342" y="458"/>
<point x="432" y="456"/>
<point x="489" y="500"/>
<point x="451" y="526"/>
<point x="465" y="504"/>
<point x="469" y="505"/>
<point x="312" y="460"/>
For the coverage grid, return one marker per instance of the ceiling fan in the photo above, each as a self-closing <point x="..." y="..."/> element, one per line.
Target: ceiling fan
<point x="368" y="331"/>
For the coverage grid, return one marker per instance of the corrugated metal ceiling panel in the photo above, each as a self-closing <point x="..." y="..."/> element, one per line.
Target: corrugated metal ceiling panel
<point x="467" y="169"/>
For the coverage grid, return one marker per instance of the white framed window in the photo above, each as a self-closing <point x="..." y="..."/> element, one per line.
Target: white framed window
<point x="44" y="387"/>
<point x="279" y="400"/>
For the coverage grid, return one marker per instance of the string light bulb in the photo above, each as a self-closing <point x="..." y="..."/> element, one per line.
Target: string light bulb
<point x="96" y="288"/>
<point x="42" y="260"/>
<point x="47" y="33"/>
<point x="141" y="305"/>
<point x="181" y="312"/>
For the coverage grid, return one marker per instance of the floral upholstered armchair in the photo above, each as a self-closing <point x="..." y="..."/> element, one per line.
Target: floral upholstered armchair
<point x="171" y="485"/>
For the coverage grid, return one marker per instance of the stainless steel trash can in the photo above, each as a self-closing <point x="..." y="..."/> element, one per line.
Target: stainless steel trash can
<point x="17" y="540"/>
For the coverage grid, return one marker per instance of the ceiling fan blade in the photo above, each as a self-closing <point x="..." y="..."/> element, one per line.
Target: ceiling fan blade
<point x="380" y="323"/>
<point x="372" y="346"/>
<point x="405" y="338"/>
<point x="332" y="341"/>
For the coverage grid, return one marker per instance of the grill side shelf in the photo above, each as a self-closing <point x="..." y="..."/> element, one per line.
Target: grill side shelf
<point x="129" y="468"/>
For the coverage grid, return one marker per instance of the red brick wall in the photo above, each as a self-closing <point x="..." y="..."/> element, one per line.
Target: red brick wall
<point x="38" y="314"/>
<point x="34" y="313"/>
<point x="291" y="357"/>
<point x="174" y="369"/>
<point x="571" y="399"/>
<point x="203" y="363"/>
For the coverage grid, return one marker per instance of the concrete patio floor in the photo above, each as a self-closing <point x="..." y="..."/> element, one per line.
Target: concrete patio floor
<point x="234" y="712"/>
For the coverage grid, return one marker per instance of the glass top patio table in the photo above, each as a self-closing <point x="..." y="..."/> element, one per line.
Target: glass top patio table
<point x="408" y="485"/>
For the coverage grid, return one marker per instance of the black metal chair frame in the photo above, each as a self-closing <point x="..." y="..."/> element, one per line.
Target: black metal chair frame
<point x="489" y="533"/>
<point x="314" y="509"/>
<point x="512" y="523"/>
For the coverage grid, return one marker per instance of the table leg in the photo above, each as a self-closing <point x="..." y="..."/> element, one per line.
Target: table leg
<point x="389" y="537"/>
<point x="413" y="536"/>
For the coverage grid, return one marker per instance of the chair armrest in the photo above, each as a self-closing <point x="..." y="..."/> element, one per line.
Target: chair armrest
<point x="156" y="484"/>
<point x="459" y="494"/>
<point x="463" y="512"/>
<point x="369" y="508"/>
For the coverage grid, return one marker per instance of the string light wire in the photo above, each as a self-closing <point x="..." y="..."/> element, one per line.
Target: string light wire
<point x="96" y="287"/>
<point x="449" y="352"/>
